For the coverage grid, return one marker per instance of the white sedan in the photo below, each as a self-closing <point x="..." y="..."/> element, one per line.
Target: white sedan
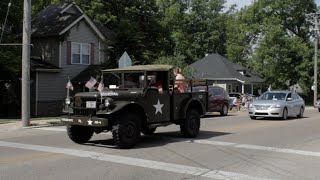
<point x="318" y="105"/>
<point x="277" y="104"/>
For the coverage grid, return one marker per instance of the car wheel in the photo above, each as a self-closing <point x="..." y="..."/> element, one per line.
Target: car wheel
<point x="126" y="131"/>
<point x="148" y="131"/>
<point x="253" y="117"/>
<point x="79" y="134"/>
<point x="285" y="114"/>
<point x="319" y="109"/>
<point x="224" y="110"/>
<point x="190" y="126"/>
<point x="300" y="115"/>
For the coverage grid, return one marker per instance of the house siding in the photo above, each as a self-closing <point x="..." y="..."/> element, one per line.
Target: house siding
<point x="46" y="49"/>
<point x="51" y="86"/>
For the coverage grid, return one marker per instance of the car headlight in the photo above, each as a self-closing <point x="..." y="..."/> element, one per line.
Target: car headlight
<point x="67" y="101"/>
<point x="108" y="102"/>
<point x="276" y="106"/>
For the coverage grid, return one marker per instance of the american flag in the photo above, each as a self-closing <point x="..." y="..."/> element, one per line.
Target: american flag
<point x="92" y="81"/>
<point x="69" y="85"/>
<point x="101" y="85"/>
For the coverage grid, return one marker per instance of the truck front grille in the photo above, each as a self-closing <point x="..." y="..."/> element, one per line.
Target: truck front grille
<point x="80" y="106"/>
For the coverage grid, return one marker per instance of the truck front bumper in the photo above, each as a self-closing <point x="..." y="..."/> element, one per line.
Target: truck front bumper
<point x="85" y="121"/>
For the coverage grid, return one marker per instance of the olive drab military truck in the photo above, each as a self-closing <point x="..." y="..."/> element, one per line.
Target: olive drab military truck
<point x="132" y="103"/>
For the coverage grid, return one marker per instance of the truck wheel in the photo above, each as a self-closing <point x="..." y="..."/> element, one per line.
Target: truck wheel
<point x="126" y="131"/>
<point x="79" y="134"/>
<point x="190" y="126"/>
<point x="148" y="131"/>
<point x="224" y="110"/>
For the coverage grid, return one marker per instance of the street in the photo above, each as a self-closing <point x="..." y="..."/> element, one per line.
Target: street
<point x="230" y="147"/>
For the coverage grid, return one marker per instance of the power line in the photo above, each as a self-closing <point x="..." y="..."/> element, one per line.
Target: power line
<point x="5" y="21"/>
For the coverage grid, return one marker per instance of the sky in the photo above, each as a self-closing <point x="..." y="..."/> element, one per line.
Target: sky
<point x="242" y="3"/>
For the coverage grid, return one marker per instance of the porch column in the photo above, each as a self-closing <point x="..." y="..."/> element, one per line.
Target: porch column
<point x="251" y="88"/>
<point x="242" y="88"/>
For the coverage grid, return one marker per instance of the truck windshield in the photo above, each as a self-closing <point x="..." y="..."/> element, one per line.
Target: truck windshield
<point x="126" y="80"/>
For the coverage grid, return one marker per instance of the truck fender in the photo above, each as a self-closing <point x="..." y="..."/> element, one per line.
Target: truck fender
<point x="194" y="103"/>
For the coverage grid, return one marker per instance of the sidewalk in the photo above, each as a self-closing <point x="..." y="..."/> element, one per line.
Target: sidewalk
<point x="14" y="125"/>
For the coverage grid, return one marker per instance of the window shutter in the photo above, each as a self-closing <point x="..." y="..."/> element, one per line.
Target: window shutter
<point x="68" y="52"/>
<point x="92" y="54"/>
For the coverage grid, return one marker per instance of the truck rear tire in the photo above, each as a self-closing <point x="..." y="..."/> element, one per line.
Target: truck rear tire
<point x="126" y="130"/>
<point x="79" y="134"/>
<point x="190" y="126"/>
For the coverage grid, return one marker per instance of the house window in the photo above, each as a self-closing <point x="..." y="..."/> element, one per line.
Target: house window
<point x="80" y="53"/>
<point x="229" y="88"/>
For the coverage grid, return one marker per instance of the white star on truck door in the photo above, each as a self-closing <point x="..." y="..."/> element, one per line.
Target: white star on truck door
<point x="158" y="107"/>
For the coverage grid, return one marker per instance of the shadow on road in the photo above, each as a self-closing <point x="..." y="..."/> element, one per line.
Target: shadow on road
<point x="277" y="119"/>
<point x="158" y="139"/>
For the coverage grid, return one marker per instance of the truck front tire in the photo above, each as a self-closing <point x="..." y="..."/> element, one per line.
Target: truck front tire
<point x="126" y="130"/>
<point x="79" y="134"/>
<point x="190" y="126"/>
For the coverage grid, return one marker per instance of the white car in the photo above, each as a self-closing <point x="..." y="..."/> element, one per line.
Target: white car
<point x="277" y="104"/>
<point x="318" y="105"/>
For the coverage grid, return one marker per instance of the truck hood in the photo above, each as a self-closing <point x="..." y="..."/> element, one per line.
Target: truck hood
<point x="114" y="93"/>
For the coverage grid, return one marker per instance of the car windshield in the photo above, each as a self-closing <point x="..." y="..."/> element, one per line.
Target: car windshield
<point x="123" y="80"/>
<point x="273" y="96"/>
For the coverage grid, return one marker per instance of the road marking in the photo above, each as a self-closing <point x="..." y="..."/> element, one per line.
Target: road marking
<point x="170" y="167"/>
<point x="229" y="144"/>
<point x="254" y="147"/>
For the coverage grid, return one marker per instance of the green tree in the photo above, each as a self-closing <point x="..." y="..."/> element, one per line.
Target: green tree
<point x="10" y="56"/>
<point x="135" y="24"/>
<point x="196" y="27"/>
<point x="273" y="38"/>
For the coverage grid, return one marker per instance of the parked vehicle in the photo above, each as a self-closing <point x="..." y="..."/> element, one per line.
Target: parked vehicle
<point x="218" y="100"/>
<point x="277" y="104"/>
<point x="130" y="104"/>
<point x="318" y="105"/>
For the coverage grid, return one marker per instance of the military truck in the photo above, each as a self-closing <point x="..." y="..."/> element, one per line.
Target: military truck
<point x="130" y="105"/>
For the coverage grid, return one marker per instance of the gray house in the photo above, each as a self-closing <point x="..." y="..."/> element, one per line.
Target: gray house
<point x="65" y="42"/>
<point x="220" y="71"/>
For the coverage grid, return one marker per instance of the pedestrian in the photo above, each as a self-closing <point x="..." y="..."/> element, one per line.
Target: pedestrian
<point x="179" y="83"/>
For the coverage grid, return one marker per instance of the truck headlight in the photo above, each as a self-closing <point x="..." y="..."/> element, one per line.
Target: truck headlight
<point x="67" y="101"/>
<point x="108" y="102"/>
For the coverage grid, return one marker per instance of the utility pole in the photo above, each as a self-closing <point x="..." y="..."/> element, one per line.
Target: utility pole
<point x="26" y="43"/>
<point x="314" y="19"/>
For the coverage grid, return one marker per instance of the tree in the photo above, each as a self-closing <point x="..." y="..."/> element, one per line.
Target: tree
<point x="273" y="38"/>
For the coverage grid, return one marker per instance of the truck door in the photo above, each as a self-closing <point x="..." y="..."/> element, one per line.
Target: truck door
<point x="157" y="106"/>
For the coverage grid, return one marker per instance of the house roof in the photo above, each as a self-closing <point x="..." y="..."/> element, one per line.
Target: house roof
<point x="91" y="70"/>
<point x="217" y="67"/>
<point x="153" y="67"/>
<point x="40" y="65"/>
<point x="55" y="20"/>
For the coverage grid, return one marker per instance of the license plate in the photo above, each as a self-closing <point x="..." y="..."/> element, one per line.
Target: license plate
<point x="90" y="104"/>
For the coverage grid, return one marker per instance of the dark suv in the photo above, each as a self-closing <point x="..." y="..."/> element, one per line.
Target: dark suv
<point x="218" y="100"/>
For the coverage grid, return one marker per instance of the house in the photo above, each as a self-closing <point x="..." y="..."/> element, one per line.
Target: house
<point x="220" y="71"/>
<point x="65" y="41"/>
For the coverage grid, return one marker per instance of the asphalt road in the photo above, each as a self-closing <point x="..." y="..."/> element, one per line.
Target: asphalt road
<point x="231" y="147"/>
